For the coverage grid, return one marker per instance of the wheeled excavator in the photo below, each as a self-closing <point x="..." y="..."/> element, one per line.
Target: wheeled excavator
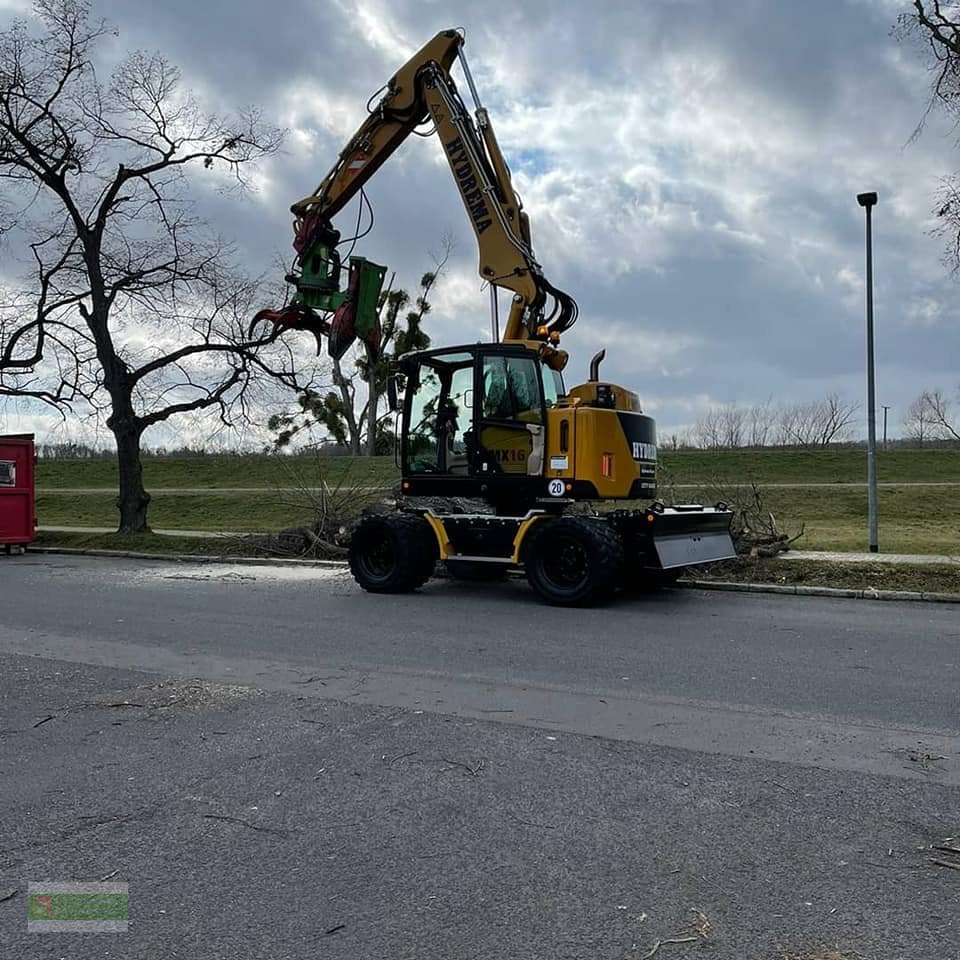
<point x="490" y="421"/>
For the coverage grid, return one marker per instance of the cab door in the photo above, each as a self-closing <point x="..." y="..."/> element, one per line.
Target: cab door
<point x="510" y="416"/>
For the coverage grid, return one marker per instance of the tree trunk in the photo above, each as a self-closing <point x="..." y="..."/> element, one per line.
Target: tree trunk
<point x="372" y="405"/>
<point x="133" y="500"/>
<point x="349" y="416"/>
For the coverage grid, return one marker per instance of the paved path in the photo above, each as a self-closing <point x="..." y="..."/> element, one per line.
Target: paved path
<point x="201" y="534"/>
<point x="283" y="766"/>
<point x="838" y="556"/>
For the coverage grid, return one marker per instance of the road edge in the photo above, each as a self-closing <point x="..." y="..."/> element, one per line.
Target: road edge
<point x="846" y="593"/>
<point x="843" y="593"/>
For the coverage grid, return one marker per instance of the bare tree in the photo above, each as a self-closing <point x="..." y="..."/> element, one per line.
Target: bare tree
<point x="759" y="424"/>
<point x="816" y="423"/>
<point x="721" y="428"/>
<point x="133" y="309"/>
<point x="916" y="422"/>
<point x="931" y="417"/>
<point x="813" y="424"/>
<point x="935" y="24"/>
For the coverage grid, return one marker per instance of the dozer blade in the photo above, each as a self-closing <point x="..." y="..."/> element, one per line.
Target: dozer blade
<point x="296" y="317"/>
<point x="687" y="535"/>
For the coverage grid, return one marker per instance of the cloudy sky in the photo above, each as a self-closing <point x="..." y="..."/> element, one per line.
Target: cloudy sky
<point x="689" y="168"/>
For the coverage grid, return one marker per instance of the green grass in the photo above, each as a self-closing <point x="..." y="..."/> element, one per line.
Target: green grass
<point x="912" y="520"/>
<point x="212" y="472"/>
<point x="798" y="466"/>
<point x="682" y="466"/>
<point x="264" y="512"/>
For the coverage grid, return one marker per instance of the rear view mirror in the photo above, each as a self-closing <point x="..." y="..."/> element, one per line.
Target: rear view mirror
<point x="392" y="399"/>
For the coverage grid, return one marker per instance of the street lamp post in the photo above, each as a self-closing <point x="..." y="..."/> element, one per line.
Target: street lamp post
<point x="886" y="407"/>
<point x="868" y="201"/>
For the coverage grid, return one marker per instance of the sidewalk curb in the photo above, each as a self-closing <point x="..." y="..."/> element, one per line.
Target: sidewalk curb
<point x="838" y="592"/>
<point x="844" y="593"/>
<point x="189" y="557"/>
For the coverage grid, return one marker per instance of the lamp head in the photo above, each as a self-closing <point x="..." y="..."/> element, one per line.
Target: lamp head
<point x="866" y="199"/>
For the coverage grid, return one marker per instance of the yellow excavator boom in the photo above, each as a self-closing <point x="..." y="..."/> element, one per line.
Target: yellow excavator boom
<point x="423" y="91"/>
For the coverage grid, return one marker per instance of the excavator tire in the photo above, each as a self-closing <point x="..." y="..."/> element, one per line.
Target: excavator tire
<point x="392" y="553"/>
<point x="575" y="561"/>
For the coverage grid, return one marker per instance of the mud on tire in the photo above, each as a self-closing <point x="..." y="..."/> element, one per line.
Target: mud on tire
<point x="392" y="553"/>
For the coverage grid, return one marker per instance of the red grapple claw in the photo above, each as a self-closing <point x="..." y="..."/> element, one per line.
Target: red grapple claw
<point x="292" y="318"/>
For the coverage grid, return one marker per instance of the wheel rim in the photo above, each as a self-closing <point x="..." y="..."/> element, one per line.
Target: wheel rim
<point x="378" y="556"/>
<point x="566" y="565"/>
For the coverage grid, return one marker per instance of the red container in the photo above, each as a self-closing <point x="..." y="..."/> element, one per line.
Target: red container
<point x="17" y="491"/>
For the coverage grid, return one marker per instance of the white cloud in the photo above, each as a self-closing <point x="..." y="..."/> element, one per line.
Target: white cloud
<point x="694" y="189"/>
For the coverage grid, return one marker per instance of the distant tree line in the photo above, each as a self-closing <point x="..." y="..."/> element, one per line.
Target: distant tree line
<point x="809" y="424"/>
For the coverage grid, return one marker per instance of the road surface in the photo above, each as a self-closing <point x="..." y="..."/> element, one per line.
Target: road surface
<point x="464" y="772"/>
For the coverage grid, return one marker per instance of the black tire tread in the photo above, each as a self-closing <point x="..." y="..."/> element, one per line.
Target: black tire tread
<point x="606" y="550"/>
<point x="415" y="546"/>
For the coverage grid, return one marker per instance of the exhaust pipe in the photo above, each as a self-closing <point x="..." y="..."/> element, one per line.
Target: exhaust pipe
<point x="595" y="365"/>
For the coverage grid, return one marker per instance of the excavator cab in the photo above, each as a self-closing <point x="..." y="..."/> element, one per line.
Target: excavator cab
<point x="474" y="423"/>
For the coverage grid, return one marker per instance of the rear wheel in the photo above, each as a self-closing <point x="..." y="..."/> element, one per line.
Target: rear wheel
<point x="575" y="561"/>
<point x="394" y="553"/>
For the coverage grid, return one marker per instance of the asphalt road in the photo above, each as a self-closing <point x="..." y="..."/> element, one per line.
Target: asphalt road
<point x="464" y="772"/>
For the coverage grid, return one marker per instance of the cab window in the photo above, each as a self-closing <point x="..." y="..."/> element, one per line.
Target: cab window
<point x="440" y="415"/>
<point x="511" y="389"/>
<point x="552" y="386"/>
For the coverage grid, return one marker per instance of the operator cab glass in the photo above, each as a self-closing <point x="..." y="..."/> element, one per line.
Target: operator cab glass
<point x="440" y="411"/>
<point x="552" y="386"/>
<point x="477" y="414"/>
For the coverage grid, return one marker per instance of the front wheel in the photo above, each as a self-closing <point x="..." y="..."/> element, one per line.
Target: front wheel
<point x="393" y="553"/>
<point x="575" y="561"/>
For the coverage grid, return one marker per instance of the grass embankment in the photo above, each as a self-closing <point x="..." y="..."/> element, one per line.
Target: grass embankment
<point x="682" y="466"/>
<point x="254" y="470"/>
<point x="914" y="519"/>
<point x="266" y="512"/>
<point x="817" y="466"/>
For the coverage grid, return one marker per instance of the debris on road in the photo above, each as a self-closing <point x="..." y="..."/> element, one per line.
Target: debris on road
<point x="472" y="770"/>
<point x="698" y="929"/>
<point x="246" y="823"/>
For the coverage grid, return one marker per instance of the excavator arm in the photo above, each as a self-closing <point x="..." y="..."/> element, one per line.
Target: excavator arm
<point x="422" y="91"/>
